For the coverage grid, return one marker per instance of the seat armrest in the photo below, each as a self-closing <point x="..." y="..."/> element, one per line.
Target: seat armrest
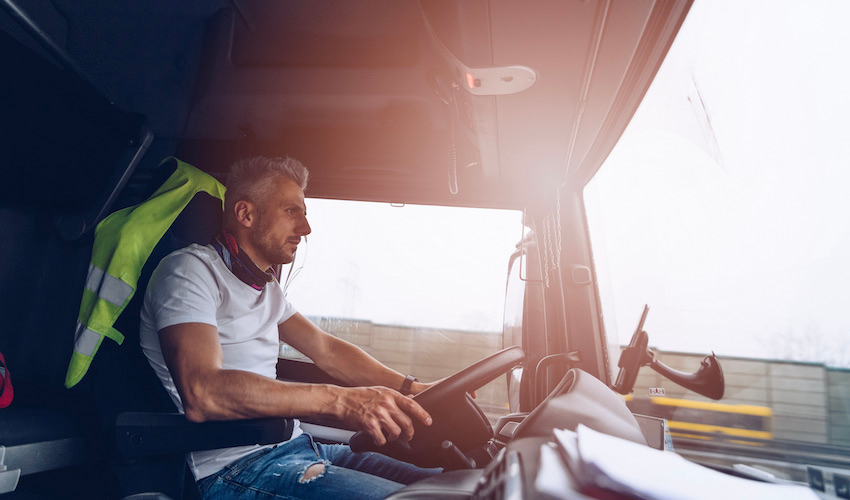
<point x="140" y="434"/>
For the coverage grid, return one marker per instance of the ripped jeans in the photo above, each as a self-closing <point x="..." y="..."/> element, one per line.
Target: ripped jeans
<point x="302" y="468"/>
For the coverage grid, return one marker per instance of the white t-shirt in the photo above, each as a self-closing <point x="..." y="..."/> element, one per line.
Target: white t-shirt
<point x="193" y="285"/>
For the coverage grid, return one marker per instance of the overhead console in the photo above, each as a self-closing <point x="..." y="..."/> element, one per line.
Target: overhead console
<point x="475" y="102"/>
<point x="340" y="86"/>
<point x="365" y="94"/>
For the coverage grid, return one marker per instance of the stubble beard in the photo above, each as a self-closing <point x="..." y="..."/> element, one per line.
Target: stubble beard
<point x="272" y="252"/>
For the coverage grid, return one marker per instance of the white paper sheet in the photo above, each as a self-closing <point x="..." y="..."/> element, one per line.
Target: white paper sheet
<point x="619" y="465"/>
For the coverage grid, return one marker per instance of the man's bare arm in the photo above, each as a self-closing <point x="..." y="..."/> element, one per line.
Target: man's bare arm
<point x="340" y="359"/>
<point x="193" y="354"/>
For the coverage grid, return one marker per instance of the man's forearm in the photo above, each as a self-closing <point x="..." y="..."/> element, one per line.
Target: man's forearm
<point x="193" y="354"/>
<point x="234" y="394"/>
<point x="339" y="358"/>
<point x="230" y="394"/>
<point x="352" y="365"/>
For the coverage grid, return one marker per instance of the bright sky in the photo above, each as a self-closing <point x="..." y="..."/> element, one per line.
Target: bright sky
<point x="725" y="205"/>
<point x="410" y="265"/>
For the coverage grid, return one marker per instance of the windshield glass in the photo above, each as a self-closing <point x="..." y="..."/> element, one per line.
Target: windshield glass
<point x="421" y="288"/>
<point x="724" y="208"/>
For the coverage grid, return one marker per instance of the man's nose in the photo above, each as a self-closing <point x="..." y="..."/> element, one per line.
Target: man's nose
<point x="304" y="228"/>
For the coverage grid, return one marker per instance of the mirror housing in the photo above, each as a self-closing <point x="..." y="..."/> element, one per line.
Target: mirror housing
<point x="708" y="380"/>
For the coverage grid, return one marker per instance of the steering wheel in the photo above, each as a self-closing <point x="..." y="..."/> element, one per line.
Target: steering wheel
<point x="456" y="417"/>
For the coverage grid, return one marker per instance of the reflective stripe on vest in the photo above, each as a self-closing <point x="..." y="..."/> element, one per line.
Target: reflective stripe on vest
<point x="108" y="287"/>
<point x="85" y="340"/>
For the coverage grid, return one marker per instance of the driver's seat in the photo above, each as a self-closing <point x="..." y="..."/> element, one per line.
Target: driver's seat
<point x="146" y="439"/>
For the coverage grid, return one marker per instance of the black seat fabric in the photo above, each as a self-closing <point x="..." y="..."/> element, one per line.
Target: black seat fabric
<point x="123" y="381"/>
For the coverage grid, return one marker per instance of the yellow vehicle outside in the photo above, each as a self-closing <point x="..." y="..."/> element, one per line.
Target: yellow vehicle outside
<point x="708" y="420"/>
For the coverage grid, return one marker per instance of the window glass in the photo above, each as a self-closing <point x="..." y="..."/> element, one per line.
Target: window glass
<point x="724" y="208"/>
<point x="421" y="288"/>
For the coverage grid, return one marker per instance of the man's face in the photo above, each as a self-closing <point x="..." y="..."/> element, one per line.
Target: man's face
<point x="281" y="224"/>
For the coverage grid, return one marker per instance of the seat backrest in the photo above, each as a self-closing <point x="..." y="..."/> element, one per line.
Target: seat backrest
<point x="123" y="381"/>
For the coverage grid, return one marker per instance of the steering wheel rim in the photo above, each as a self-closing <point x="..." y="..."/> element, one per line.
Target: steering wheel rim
<point x="445" y="396"/>
<point x="470" y="378"/>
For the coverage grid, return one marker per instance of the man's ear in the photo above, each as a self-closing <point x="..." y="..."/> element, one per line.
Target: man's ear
<point x="244" y="211"/>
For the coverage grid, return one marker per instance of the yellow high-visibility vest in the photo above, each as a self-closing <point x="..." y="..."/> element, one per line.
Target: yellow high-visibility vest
<point x="123" y="242"/>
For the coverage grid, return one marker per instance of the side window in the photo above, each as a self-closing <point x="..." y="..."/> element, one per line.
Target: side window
<point x="420" y="288"/>
<point x="724" y="207"/>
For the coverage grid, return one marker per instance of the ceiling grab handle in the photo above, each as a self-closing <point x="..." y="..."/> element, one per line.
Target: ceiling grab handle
<point x="453" y="146"/>
<point x="587" y="77"/>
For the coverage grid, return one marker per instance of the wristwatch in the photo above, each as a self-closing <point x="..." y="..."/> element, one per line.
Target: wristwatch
<point x="407" y="384"/>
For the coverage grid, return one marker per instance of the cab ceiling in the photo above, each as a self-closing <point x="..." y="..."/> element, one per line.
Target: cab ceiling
<point x="363" y="92"/>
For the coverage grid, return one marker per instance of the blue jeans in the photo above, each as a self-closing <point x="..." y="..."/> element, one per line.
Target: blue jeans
<point x="279" y="472"/>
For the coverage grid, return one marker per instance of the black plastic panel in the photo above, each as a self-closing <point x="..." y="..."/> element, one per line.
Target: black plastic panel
<point x="61" y="139"/>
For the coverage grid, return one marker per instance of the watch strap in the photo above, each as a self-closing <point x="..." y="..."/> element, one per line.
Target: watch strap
<point x="408" y="384"/>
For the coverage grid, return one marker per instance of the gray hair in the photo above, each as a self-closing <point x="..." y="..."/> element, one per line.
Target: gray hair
<point x="249" y="178"/>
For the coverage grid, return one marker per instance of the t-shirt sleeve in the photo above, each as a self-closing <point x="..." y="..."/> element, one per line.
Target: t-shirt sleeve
<point x="182" y="289"/>
<point x="287" y="311"/>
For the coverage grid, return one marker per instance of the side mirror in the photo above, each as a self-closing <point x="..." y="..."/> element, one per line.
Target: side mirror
<point x="708" y="380"/>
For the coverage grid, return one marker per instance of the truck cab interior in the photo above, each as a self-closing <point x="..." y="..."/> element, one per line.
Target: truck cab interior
<point x="483" y="105"/>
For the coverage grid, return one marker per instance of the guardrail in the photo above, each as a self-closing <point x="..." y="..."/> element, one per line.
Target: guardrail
<point x="774" y="450"/>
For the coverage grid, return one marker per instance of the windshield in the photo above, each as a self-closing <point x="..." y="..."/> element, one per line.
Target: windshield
<point x="421" y="288"/>
<point x="724" y="208"/>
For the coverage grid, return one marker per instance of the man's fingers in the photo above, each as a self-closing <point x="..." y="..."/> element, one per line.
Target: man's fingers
<point x="385" y="414"/>
<point x="411" y="407"/>
<point x="404" y="423"/>
<point x="374" y="430"/>
<point x="392" y="429"/>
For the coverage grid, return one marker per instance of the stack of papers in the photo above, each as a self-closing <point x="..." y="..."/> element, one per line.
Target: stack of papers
<point x="598" y="460"/>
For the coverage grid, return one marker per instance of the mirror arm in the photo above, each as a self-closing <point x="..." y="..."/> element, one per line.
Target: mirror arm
<point x="708" y="380"/>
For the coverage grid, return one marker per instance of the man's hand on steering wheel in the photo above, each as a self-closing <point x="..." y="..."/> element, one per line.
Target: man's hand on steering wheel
<point x="456" y="416"/>
<point x="382" y="413"/>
